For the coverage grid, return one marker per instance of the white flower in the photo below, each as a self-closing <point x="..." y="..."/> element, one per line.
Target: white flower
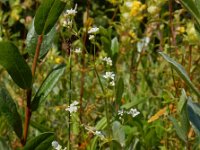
<point x="109" y="75"/>
<point x="57" y="146"/>
<point x="71" y="12"/>
<point x="134" y="112"/>
<point x="73" y="107"/>
<point x="112" y="83"/>
<point x="67" y="23"/>
<point x="91" y="37"/>
<point x="99" y="133"/>
<point x="77" y="50"/>
<point x="121" y="112"/>
<point x="108" y="60"/>
<point x="142" y="44"/>
<point x="93" y="30"/>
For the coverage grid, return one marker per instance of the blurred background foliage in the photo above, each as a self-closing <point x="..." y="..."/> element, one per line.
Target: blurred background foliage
<point x="140" y="29"/>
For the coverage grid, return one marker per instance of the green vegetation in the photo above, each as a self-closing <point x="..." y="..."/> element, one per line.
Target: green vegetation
<point x="107" y="74"/>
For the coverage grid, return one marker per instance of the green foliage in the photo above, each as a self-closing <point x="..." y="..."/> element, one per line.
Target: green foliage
<point x="119" y="90"/>
<point x="109" y="88"/>
<point x="31" y="41"/>
<point x="4" y="145"/>
<point x="194" y="115"/>
<point x="9" y="110"/>
<point x="181" y="71"/>
<point x="47" y="15"/>
<point x="40" y="142"/>
<point x="47" y="86"/>
<point x="15" y="64"/>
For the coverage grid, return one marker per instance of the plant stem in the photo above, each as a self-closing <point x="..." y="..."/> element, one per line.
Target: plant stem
<point x="172" y="41"/>
<point x="29" y="92"/>
<point x="105" y="101"/>
<point x="84" y="38"/>
<point x="70" y="98"/>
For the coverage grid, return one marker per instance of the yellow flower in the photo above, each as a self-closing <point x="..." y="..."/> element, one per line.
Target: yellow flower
<point x="180" y="29"/>
<point x="136" y="8"/>
<point x="59" y="60"/>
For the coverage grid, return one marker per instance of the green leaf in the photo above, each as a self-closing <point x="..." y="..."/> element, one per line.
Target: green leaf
<point x="9" y="110"/>
<point x="182" y="107"/>
<point x="15" y="64"/>
<point x="194" y="115"/>
<point x="193" y="8"/>
<point x="119" y="90"/>
<point x="4" y="145"/>
<point x="114" y="46"/>
<point x="41" y="141"/>
<point x="99" y="126"/>
<point x="180" y="132"/>
<point x="181" y="71"/>
<point x="47" y="15"/>
<point x="118" y="133"/>
<point x="31" y="41"/>
<point x="39" y="126"/>
<point x="47" y="86"/>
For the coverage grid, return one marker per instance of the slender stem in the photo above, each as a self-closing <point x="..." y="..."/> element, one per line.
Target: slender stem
<point x="172" y="40"/>
<point x="84" y="37"/>
<point x="70" y="99"/>
<point x="190" y="61"/>
<point x="29" y="92"/>
<point x="105" y="101"/>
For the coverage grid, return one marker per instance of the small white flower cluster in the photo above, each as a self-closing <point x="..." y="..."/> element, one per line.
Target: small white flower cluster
<point x="68" y="14"/>
<point x="110" y="76"/>
<point x="133" y="112"/>
<point x="92" y="32"/>
<point x="77" y="50"/>
<point x="108" y="60"/>
<point x="71" y="12"/>
<point x="57" y="146"/>
<point x="73" y="107"/>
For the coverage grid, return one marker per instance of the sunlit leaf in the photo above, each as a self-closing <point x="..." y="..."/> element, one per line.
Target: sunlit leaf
<point x="118" y="133"/>
<point x="47" y="86"/>
<point x="31" y="41"/>
<point x="9" y="110"/>
<point x="114" y="46"/>
<point x="15" y="64"/>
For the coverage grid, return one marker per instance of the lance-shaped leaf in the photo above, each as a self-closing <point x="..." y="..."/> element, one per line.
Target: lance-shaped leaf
<point x="179" y="130"/>
<point x="193" y="8"/>
<point x="181" y="71"/>
<point x="40" y="142"/>
<point x="15" y="64"/>
<point x="47" y="86"/>
<point x="194" y="115"/>
<point x="31" y="41"/>
<point x="9" y="110"/>
<point x="47" y="15"/>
